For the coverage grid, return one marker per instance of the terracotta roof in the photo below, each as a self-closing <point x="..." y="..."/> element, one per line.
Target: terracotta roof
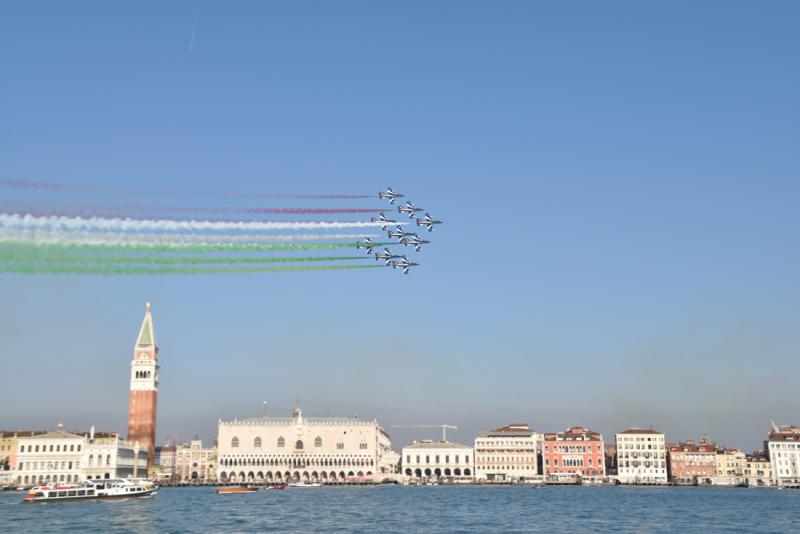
<point x="690" y="446"/>
<point x="640" y="431"/>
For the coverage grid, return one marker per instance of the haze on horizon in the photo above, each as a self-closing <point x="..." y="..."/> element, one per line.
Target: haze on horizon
<point x="619" y="189"/>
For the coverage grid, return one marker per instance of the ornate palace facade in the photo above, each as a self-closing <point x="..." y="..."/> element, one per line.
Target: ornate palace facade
<point x="328" y="449"/>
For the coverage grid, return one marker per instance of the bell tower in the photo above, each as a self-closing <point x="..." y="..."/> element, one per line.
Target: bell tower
<point x="144" y="389"/>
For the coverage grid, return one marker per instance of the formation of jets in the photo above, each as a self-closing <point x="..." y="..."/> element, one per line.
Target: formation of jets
<point x="397" y="261"/>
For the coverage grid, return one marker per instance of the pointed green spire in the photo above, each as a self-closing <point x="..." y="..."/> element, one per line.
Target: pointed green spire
<point x="146" y="337"/>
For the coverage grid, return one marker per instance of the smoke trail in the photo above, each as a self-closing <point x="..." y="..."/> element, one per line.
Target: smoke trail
<point x="52" y="258"/>
<point x="28" y="247"/>
<point x="167" y="225"/>
<point x="112" y="270"/>
<point x="48" y="236"/>
<point x="133" y="212"/>
<point x="53" y="186"/>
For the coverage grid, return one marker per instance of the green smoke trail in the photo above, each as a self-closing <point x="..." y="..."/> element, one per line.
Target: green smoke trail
<point x="52" y="257"/>
<point x="112" y="270"/>
<point x="189" y="248"/>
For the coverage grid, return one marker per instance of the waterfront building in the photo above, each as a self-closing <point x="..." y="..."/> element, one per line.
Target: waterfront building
<point x="106" y="455"/>
<point x="507" y="454"/>
<point x="9" y="444"/>
<point x="72" y="457"/>
<point x="730" y="470"/>
<point x="302" y="448"/>
<point x="758" y="470"/>
<point x="143" y="398"/>
<point x="194" y="463"/>
<point x="783" y="446"/>
<point x="641" y="456"/>
<point x="50" y="457"/>
<point x="576" y="453"/>
<point x="428" y="459"/>
<point x="165" y="462"/>
<point x="693" y="462"/>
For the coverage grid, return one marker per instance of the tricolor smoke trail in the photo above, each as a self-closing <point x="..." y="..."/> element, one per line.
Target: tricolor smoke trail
<point x="71" y="188"/>
<point x="168" y="225"/>
<point x="111" y="270"/>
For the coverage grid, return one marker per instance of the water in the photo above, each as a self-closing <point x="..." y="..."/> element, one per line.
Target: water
<point x="441" y="509"/>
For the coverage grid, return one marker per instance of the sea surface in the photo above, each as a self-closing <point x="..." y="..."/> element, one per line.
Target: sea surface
<point x="419" y="509"/>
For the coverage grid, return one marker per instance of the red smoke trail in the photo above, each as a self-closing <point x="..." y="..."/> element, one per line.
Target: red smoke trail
<point x="52" y="186"/>
<point x="83" y="210"/>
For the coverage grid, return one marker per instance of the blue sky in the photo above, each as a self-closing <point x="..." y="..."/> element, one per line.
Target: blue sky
<point x="619" y="182"/>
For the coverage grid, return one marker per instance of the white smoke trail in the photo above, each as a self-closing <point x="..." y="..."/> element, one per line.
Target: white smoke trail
<point x="166" y="225"/>
<point x="54" y="237"/>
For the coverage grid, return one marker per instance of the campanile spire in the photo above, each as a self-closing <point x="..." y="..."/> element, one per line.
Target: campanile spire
<point x="144" y="388"/>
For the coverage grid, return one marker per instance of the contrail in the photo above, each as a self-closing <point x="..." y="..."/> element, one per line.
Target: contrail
<point x="70" y="188"/>
<point x="167" y="225"/>
<point x="78" y="210"/>
<point x="55" y="257"/>
<point x="48" y="236"/>
<point x="113" y="270"/>
<point x="191" y="39"/>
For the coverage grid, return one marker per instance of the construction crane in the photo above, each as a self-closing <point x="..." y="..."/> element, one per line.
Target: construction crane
<point x="443" y="427"/>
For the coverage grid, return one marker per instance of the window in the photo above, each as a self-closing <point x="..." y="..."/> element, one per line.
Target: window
<point x="281" y="442"/>
<point x="234" y="441"/>
<point x="340" y="445"/>
<point x="298" y="444"/>
<point x="318" y="441"/>
<point x="362" y="445"/>
<point x="257" y="442"/>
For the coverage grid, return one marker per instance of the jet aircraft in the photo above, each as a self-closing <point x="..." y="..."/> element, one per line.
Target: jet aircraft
<point x="404" y="264"/>
<point x="382" y="219"/>
<point x="386" y="255"/>
<point x="367" y="244"/>
<point x="399" y="233"/>
<point x="414" y="241"/>
<point x="390" y="195"/>
<point x="428" y="222"/>
<point x="409" y="209"/>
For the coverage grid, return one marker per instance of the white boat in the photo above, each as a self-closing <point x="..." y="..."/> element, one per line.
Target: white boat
<point x="305" y="485"/>
<point x="115" y="488"/>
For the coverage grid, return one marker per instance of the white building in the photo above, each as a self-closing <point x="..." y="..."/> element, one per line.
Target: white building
<point x="195" y="464"/>
<point x="50" y="457"/>
<point x="327" y="449"/>
<point x="106" y="455"/>
<point x="641" y="457"/>
<point x="507" y="454"/>
<point x="69" y="457"/>
<point x="783" y="445"/>
<point x="438" y="459"/>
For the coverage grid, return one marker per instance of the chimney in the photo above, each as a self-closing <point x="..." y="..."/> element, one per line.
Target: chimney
<point x="91" y="433"/>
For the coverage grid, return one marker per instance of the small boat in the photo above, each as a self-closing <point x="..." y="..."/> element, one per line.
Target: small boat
<point x="305" y="485"/>
<point x="121" y="488"/>
<point x="236" y="489"/>
<point x="276" y="487"/>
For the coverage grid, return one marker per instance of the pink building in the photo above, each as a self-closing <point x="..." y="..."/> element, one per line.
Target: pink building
<point x="577" y="452"/>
